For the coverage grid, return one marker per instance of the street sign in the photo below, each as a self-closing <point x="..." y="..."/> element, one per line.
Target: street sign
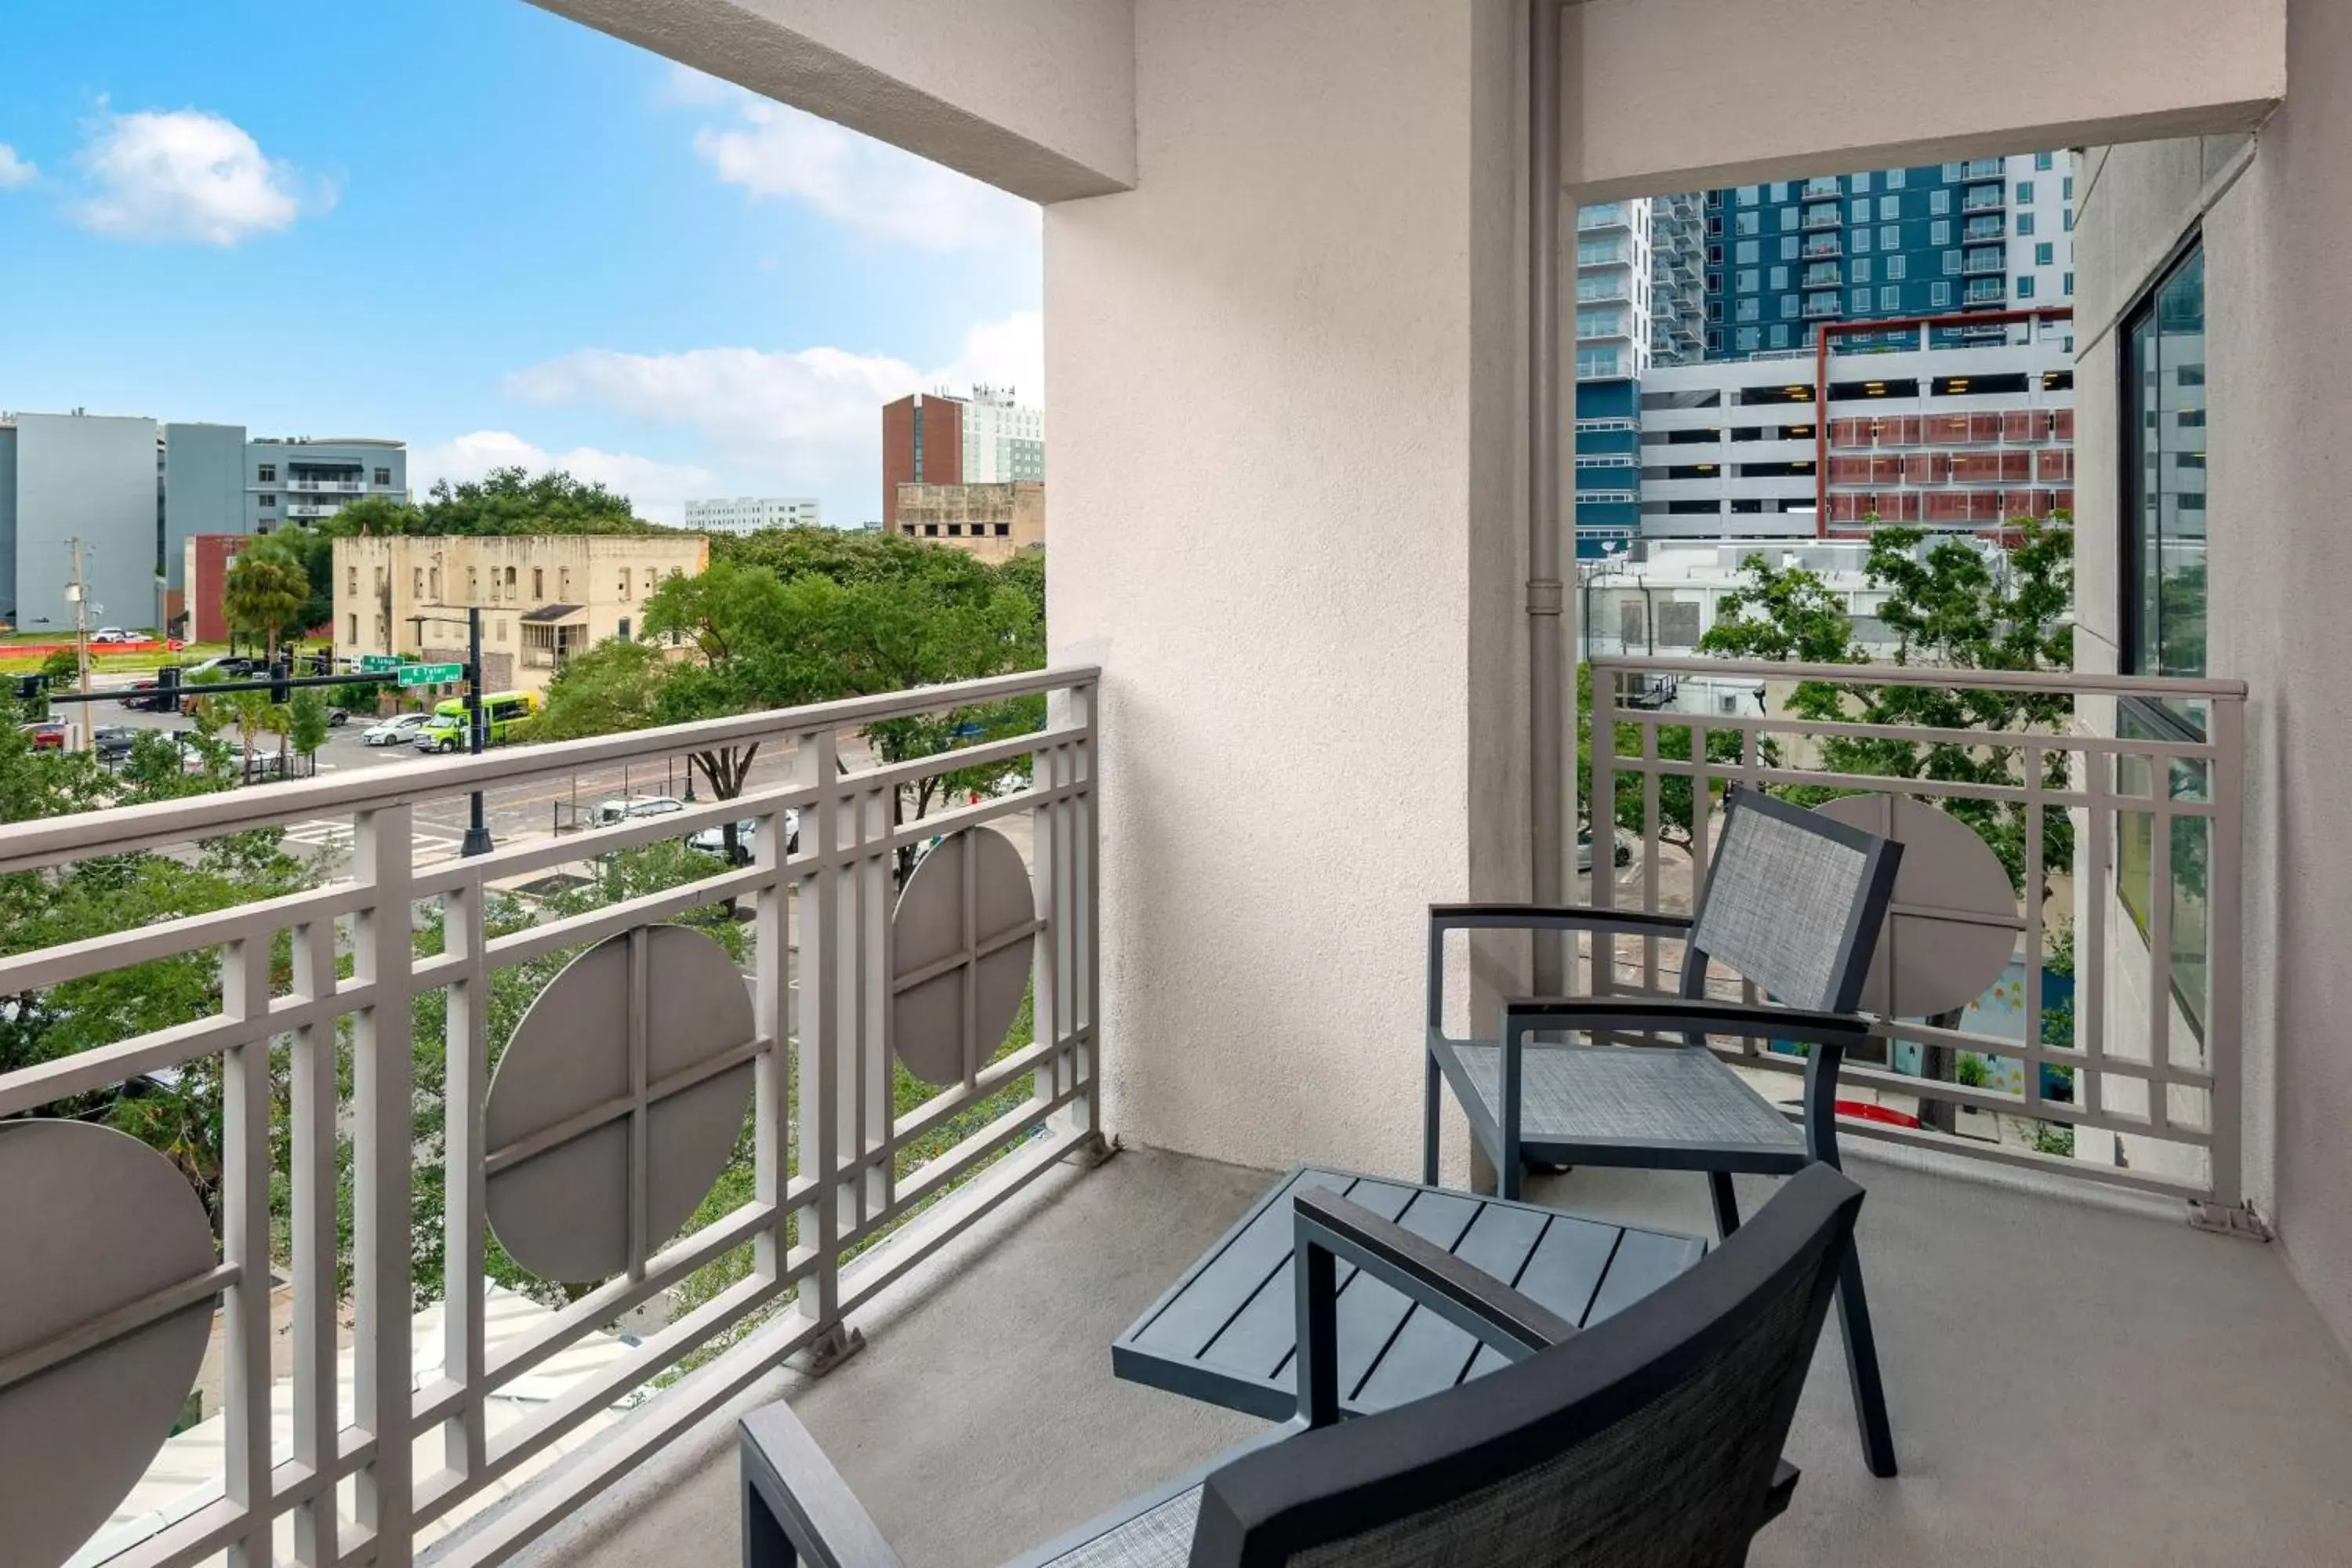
<point x="370" y="663"/>
<point x="430" y="674"/>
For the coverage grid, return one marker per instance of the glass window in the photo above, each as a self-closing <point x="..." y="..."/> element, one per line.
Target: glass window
<point x="2042" y="160"/>
<point x="1939" y="295"/>
<point x="1861" y="240"/>
<point x="1951" y="171"/>
<point x="1747" y="340"/>
<point x="1860" y="301"/>
<point x="1789" y="245"/>
<point x="1858" y="184"/>
<point x="1789" y="216"/>
<point x="2070" y="293"/>
<point x="1890" y="297"/>
<point x="1896" y="178"/>
<point x="1748" y="223"/>
<point x="2025" y="225"/>
<point x="1940" y="232"/>
<point x="2066" y="188"/>
<point x="1745" y="252"/>
<point x="2045" y="254"/>
<point x="1778" y="190"/>
<point x="1951" y="263"/>
<point x="1749" y="196"/>
<point x="1939" y="201"/>
<point x="2025" y="285"/>
<point x="2025" y="192"/>
<point x="1862" y="210"/>
<point x="1898" y="267"/>
<point x="1788" y="306"/>
<point x="1889" y="207"/>
<point x="2164" y="559"/>
<point x="1781" y="337"/>
<point x="1858" y="269"/>
<point x="1746" y="282"/>
<point x="1779" y="279"/>
<point x="2069" y="223"/>
<point x="1890" y="237"/>
<point x="1747" y="307"/>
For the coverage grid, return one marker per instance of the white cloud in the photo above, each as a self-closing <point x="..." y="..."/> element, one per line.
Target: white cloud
<point x="185" y="175"/>
<point x="656" y="490"/>
<point x="682" y="85"/>
<point x="809" y="416"/>
<point x="15" y="171"/>
<point x="867" y="186"/>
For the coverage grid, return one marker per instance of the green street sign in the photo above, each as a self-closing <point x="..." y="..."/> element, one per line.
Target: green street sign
<point x="371" y="663"/>
<point x="431" y="674"/>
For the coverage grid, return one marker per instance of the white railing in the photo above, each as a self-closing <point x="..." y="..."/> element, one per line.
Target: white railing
<point x="848" y="1192"/>
<point x="2143" y="1084"/>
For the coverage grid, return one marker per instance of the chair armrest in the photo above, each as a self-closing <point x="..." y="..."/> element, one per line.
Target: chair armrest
<point x="1329" y="1229"/>
<point x="1553" y="917"/>
<point x="796" y="1507"/>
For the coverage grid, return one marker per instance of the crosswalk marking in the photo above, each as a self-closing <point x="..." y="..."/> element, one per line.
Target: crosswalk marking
<point x="335" y="833"/>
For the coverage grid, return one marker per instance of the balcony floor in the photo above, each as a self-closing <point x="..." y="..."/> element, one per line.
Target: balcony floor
<point x="2069" y="1384"/>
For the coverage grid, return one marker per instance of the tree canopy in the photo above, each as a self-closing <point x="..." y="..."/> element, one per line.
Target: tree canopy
<point x="265" y="590"/>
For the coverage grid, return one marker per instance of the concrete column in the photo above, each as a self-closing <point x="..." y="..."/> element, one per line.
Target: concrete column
<point x="1286" y="522"/>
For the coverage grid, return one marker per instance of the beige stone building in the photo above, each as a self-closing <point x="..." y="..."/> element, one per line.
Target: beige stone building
<point x="994" y="522"/>
<point x="543" y="597"/>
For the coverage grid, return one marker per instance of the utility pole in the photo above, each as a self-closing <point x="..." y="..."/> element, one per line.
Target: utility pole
<point x="81" y="591"/>
<point x="478" y="830"/>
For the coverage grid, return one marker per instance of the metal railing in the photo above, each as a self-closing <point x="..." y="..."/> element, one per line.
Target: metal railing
<point x="2131" y="1078"/>
<point x="849" y="1189"/>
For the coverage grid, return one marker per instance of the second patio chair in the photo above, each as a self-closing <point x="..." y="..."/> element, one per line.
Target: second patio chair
<point x="1792" y="902"/>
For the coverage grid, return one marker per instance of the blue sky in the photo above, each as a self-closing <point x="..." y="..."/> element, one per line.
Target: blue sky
<point x="489" y="231"/>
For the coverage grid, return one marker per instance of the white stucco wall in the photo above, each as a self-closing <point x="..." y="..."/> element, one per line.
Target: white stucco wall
<point x="1034" y="96"/>
<point x="1687" y="94"/>
<point x="1283" y="383"/>
<point x="2278" y="335"/>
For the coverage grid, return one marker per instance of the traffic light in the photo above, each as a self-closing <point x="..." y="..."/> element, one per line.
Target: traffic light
<point x="281" y="673"/>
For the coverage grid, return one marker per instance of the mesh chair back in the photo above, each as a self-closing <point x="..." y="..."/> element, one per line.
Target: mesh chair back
<point x="1650" y="1439"/>
<point x="1793" y="902"/>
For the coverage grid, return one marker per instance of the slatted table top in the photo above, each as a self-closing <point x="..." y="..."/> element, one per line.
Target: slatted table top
<point x="1225" y="1331"/>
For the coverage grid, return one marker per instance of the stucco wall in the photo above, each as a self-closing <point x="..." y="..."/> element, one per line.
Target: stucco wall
<point x="2279" y="331"/>
<point x="90" y="477"/>
<point x="1282" y="586"/>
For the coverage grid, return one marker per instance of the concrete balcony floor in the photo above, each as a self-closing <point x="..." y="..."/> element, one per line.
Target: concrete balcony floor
<point x="2070" y="1384"/>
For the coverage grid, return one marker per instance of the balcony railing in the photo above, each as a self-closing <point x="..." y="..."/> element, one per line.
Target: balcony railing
<point x="1607" y="215"/>
<point x="2089" y="1079"/>
<point x="1823" y="217"/>
<point x="1826" y="245"/>
<point x="1985" y="292"/>
<point x="308" y="1042"/>
<point x="1981" y="200"/>
<point x="1983" y="169"/>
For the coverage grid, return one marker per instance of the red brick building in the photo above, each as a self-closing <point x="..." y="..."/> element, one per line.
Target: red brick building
<point x="205" y="570"/>
<point x="922" y="444"/>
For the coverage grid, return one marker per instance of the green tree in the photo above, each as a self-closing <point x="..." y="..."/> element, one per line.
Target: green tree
<point x="511" y="501"/>
<point x="306" y="720"/>
<point x="264" y="592"/>
<point x="1629" y="805"/>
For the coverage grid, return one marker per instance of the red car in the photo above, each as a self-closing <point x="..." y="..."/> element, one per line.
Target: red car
<point x="46" y="737"/>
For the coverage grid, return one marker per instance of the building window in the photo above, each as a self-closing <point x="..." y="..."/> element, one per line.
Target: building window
<point x="352" y="581"/>
<point x="624" y="581"/>
<point x="1897" y="178"/>
<point x="2066" y="220"/>
<point x="1889" y="207"/>
<point x="1748" y="196"/>
<point x="1858" y="269"/>
<point x="1859" y="183"/>
<point x="1789" y="245"/>
<point x="2069" y="294"/>
<point x="1748" y="222"/>
<point x="1779" y="279"/>
<point x="416" y="581"/>
<point x="1745" y="252"/>
<point x="266" y="474"/>
<point x="352" y="634"/>
<point x="1940" y="202"/>
<point x="1746" y="282"/>
<point x="1748" y="339"/>
<point x="1890" y="298"/>
<point x="1787" y="307"/>
<point x="1890" y="238"/>
<point x="1003" y="531"/>
<point x="2025" y="225"/>
<point x="1715" y="256"/>
<point x="268" y="502"/>
<point x="2025" y="192"/>
<point x="1951" y="171"/>
<point x="2045" y="254"/>
<point x="2025" y="285"/>
<point x="623" y="633"/>
<point x="1860" y="301"/>
<point x="1940" y="233"/>
<point x="1747" y="310"/>
<point x="1781" y="337"/>
<point x="955" y="531"/>
<point x="511" y="581"/>
<point x="931" y="530"/>
<point x="1898" y="267"/>
<point x="1951" y="264"/>
<point x="1862" y="210"/>
<point x="2164" y="572"/>
<point x="1789" y="216"/>
<point x="1939" y="296"/>
<point x="1861" y="240"/>
<point x="2066" y="188"/>
<point x="538" y="583"/>
<point x="502" y="628"/>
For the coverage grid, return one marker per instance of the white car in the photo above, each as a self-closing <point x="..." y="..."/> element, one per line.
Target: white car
<point x="713" y="840"/>
<point x="112" y="633"/>
<point x="634" y="809"/>
<point x="397" y="731"/>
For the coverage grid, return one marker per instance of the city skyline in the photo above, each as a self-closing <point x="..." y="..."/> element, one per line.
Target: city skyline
<point x="531" y="244"/>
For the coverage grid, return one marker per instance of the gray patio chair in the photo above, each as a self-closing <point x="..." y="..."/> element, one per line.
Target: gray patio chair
<point x="1652" y="1438"/>
<point x="1794" y="902"/>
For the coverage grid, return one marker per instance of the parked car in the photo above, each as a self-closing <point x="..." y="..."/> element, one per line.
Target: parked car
<point x="1621" y="851"/>
<point x="632" y="808"/>
<point x="113" y="741"/>
<point x="114" y="633"/>
<point x="397" y="731"/>
<point x="712" y="840"/>
<point x="141" y="698"/>
<point x="338" y="717"/>
<point x="231" y="665"/>
<point x="46" y="737"/>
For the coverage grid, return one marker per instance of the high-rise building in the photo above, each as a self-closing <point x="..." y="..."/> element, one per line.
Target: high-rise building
<point x="1613" y="289"/>
<point x="86" y="477"/>
<point x="1004" y="442"/>
<point x="1989" y="233"/>
<point x="298" y="480"/>
<point x="747" y="514"/>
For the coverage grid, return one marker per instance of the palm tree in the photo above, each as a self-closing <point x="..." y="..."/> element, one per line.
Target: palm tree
<point x="264" y="592"/>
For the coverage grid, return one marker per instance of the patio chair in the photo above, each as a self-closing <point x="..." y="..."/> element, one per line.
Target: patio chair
<point x="1652" y="1437"/>
<point x="1793" y="902"/>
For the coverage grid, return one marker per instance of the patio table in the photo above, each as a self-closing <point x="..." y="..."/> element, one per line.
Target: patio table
<point x="1225" y="1331"/>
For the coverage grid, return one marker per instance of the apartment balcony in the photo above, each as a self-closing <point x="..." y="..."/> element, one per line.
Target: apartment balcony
<point x="1604" y="293"/>
<point x="1984" y="169"/>
<point x="965" y="1235"/>
<point x="1830" y="245"/>
<point x="1823" y="277"/>
<point x="1820" y="217"/>
<point x="1980" y="201"/>
<point x="1603" y="217"/>
<point x="326" y="486"/>
<point x="1986" y="291"/>
<point x="1603" y="252"/>
<point x="1983" y="230"/>
<point x="1821" y="185"/>
<point x="1821" y="309"/>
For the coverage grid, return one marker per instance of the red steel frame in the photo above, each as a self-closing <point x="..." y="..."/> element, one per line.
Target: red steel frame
<point x="1893" y="324"/>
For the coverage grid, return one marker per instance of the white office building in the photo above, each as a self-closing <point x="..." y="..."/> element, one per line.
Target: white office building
<point x="747" y="514"/>
<point x="1002" y="441"/>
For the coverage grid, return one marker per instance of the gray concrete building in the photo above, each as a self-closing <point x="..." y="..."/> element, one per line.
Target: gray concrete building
<point x="298" y="479"/>
<point x="92" y="478"/>
<point x="204" y="490"/>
